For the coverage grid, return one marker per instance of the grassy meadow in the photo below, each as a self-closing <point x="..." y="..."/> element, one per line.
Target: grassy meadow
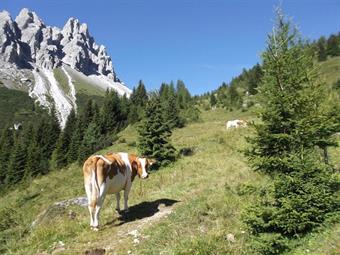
<point x="189" y="207"/>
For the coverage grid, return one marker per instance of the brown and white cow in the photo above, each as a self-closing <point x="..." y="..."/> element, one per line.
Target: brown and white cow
<point x="235" y="124"/>
<point x="110" y="174"/>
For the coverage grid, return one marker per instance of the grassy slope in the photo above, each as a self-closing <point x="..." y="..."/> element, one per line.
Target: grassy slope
<point x="206" y="185"/>
<point x="330" y="70"/>
<point x="62" y="79"/>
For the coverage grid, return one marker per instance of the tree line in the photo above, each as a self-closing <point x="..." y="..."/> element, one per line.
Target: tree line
<point x="41" y="145"/>
<point x="327" y="47"/>
<point x="238" y="94"/>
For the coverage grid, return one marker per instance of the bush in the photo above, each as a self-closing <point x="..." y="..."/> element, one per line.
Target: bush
<point x="297" y="202"/>
<point x="270" y="244"/>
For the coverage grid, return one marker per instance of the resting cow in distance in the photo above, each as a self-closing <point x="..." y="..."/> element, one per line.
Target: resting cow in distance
<point x="110" y="174"/>
<point x="235" y="124"/>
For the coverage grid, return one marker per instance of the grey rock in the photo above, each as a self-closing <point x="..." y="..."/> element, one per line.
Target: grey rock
<point x="10" y="48"/>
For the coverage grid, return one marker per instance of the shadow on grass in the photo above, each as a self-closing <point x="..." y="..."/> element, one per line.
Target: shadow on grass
<point x="142" y="210"/>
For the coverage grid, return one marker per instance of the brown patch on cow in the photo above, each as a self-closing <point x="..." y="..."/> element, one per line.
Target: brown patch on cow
<point x="135" y="166"/>
<point x="117" y="165"/>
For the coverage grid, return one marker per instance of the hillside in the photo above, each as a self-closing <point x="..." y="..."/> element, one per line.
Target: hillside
<point x="330" y="70"/>
<point x="202" y="195"/>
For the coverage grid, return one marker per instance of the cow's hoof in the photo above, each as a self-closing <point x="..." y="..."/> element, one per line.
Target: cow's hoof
<point x="118" y="210"/>
<point x="96" y="229"/>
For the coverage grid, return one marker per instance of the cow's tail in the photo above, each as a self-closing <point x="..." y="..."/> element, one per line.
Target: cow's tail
<point x="94" y="183"/>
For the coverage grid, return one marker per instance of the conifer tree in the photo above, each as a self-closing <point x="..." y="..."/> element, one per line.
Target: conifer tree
<point x="16" y="164"/>
<point x="141" y="96"/>
<point x="48" y="131"/>
<point x="59" y="157"/>
<point x="333" y="46"/>
<point x="89" y="143"/>
<point x="321" y="49"/>
<point x="111" y="114"/>
<point x="138" y="100"/>
<point x="171" y="112"/>
<point x="213" y="100"/>
<point x="154" y="134"/>
<point x="87" y="114"/>
<point x="35" y="162"/>
<point x="294" y="122"/>
<point x="183" y="95"/>
<point x="164" y="91"/>
<point x="73" y="152"/>
<point x="6" y="145"/>
<point x="133" y="116"/>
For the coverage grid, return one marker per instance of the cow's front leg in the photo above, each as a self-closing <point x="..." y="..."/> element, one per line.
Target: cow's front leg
<point x="118" y="201"/>
<point x="126" y="198"/>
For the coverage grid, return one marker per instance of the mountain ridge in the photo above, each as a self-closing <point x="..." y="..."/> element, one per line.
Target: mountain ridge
<point x="31" y="50"/>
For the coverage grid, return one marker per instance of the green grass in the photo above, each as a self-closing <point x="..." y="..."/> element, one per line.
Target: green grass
<point x="84" y="87"/>
<point x="210" y="187"/>
<point x="330" y="70"/>
<point x="62" y="80"/>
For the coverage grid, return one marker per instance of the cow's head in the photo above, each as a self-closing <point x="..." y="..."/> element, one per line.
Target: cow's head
<point x="142" y="165"/>
<point x="242" y="123"/>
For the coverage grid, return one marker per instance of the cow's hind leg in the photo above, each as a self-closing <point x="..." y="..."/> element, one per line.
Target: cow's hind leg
<point x="91" y="202"/>
<point x="100" y="201"/>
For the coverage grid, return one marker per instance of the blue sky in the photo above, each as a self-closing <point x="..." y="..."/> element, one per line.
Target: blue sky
<point x="201" y="42"/>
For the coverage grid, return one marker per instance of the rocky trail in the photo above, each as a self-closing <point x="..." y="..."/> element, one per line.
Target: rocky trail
<point x="129" y="225"/>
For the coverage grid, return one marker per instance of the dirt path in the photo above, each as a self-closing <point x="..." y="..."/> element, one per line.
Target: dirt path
<point x="140" y="216"/>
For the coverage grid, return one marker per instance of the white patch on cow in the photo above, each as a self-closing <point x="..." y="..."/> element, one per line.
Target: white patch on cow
<point x="125" y="157"/>
<point x="103" y="158"/>
<point x="116" y="184"/>
<point x="120" y="181"/>
<point x="143" y="163"/>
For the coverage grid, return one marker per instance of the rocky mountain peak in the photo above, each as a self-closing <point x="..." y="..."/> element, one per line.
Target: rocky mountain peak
<point x="27" y="41"/>
<point x="31" y="50"/>
<point x="27" y="18"/>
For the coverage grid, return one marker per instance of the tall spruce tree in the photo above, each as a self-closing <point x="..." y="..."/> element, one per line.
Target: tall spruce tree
<point x="90" y="141"/>
<point x="59" y="157"/>
<point x="321" y="49"/>
<point x="16" y="165"/>
<point x="138" y="100"/>
<point x="171" y="112"/>
<point x="213" y="100"/>
<point x="6" y="146"/>
<point x="154" y="134"/>
<point x="333" y="46"/>
<point x="35" y="163"/>
<point x="183" y="95"/>
<point x="111" y="114"/>
<point x="48" y="131"/>
<point x="295" y="120"/>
